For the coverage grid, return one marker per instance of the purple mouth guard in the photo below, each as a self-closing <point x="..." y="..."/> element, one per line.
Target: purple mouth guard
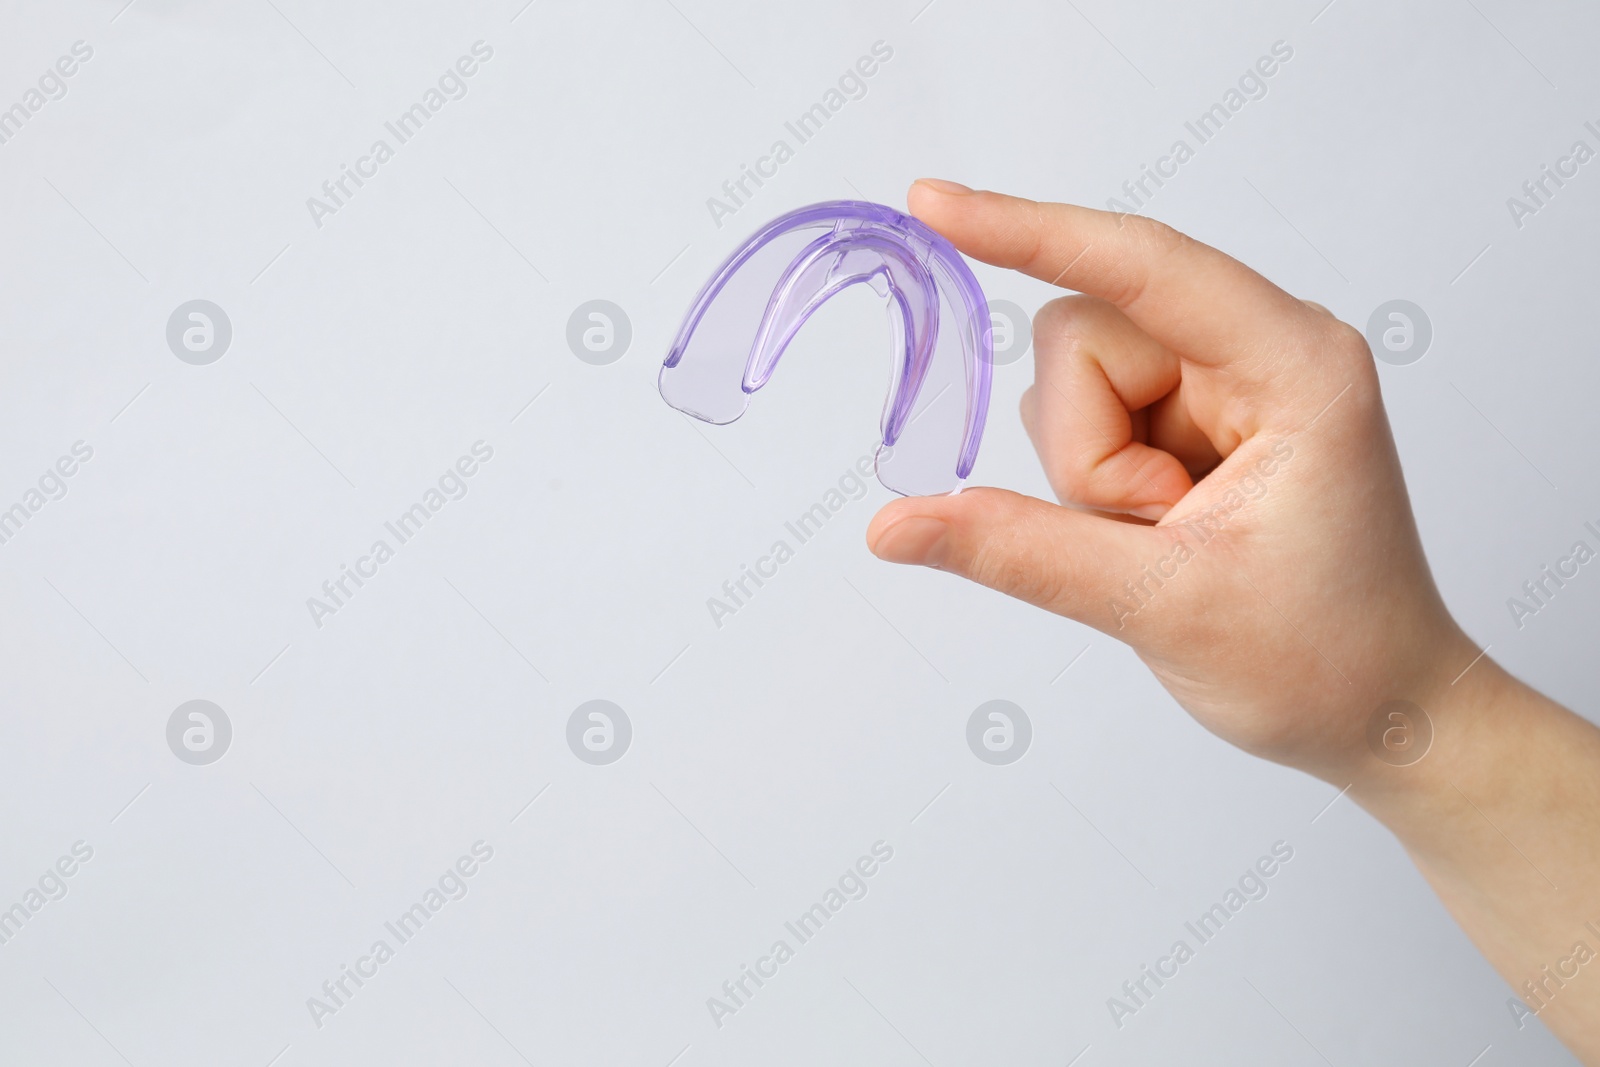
<point x="745" y="317"/>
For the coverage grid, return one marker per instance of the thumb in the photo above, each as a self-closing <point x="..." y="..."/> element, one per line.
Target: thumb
<point x="1069" y="562"/>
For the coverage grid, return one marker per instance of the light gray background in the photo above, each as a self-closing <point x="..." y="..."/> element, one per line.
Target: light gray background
<point x="768" y="754"/>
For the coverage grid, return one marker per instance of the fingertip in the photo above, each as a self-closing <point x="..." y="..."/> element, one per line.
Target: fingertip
<point x="887" y="516"/>
<point x="928" y="197"/>
<point x="942" y="186"/>
<point x="904" y="535"/>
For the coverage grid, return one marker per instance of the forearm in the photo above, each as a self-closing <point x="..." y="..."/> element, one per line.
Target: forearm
<point x="1502" y="816"/>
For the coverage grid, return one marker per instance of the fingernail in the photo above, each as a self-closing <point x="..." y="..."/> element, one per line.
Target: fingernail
<point x="1153" y="512"/>
<point x="939" y="185"/>
<point x="913" y="540"/>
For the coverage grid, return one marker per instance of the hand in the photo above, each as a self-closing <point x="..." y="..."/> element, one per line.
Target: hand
<point x="1281" y="594"/>
<point x="1234" y="510"/>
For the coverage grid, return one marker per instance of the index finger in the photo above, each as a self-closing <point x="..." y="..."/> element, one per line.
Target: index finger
<point x="1201" y="303"/>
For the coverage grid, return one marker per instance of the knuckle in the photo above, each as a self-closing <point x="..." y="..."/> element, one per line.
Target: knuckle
<point x="1094" y="476"/>
<point x="1347" y="342"/>
<point x="1160" y="237"/>
<point x="1004" y="560"/>
<point x="1340" y="345"/>
<point x="1070" y="322"/>
<point x="1343" y="363"/>
<point x="1017" y="576"/>
<point x="1152" y="241"/>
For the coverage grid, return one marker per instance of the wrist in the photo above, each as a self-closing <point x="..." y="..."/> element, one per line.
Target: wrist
<point x="1416" y="750"/>
<point x="1488" y="740"/>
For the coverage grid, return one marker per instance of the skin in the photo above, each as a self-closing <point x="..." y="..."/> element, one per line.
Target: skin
<point x="1232" y="507"/>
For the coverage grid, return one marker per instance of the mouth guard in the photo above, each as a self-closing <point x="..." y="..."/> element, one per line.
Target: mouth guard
<point x="745" y="317"/>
